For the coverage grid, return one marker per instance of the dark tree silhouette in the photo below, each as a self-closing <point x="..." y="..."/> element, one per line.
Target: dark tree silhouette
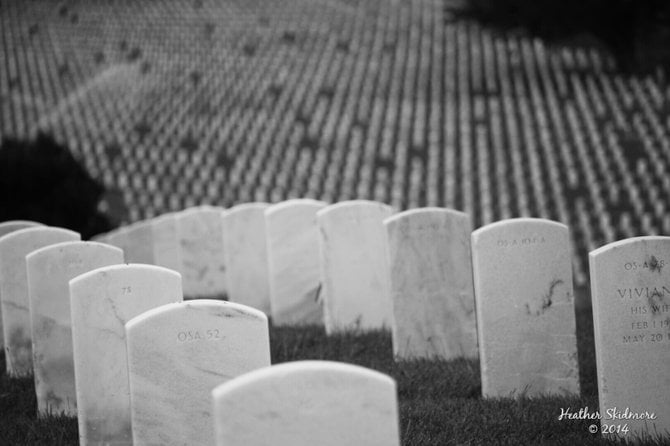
<point x="41" y="180"/>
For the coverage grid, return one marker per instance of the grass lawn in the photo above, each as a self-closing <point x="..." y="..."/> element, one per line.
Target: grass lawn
<point x="440" y="402"/>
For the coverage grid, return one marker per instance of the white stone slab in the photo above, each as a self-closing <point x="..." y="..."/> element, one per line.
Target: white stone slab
<point x="306" y="403"/>
<point x="431" y="283"/>
<point x="354" y="266"/>
<point x="119" y="238"/>
<point x="525" y="308"/>
<point x="49" y="272"/>
<point x="200" y="231"/>
<point x="140" y="240"/>
<point x="14" y="225"/>
<point x="14" y="291"/>
<point x="246" y="257"/>
<point x="293" y="262"/>
<point x="102" y="301"/>
<point x="167" y="250"/>
<point x="5" y="228"/>
<point x="630" y="292"/>
<point x="177" y="354"/>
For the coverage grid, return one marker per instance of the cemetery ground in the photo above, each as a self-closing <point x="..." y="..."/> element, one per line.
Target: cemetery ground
<point x="440" y="401"/>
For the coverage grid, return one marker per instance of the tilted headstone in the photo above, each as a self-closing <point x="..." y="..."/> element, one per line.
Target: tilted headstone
<point x="354" y="265"/>
<point x="525" y="308"/>
<point x="630" y="293"/>
<point x="245" y="243"/>
<point x="14" y="291"/>
<point x="293" y="262"/>
<point x="5" y="228"/>
<point x="200" y="233"/>
<point x="140" y="241"/>
<point x="167" y="249"/>
<point x="102" y="301"/>
<point x="177" y="354"/>
<point x="304" y="403"/>
<point x="50" y="270"/>
<point x="431" y="283"/>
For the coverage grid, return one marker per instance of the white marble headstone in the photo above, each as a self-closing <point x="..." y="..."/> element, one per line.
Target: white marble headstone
<point x="431" y="283"/>
<point x="167" y="250"/>
<point x="525" y="308"/>
<point x="177" y="354"/>
<point x="14" y="290"/>
<point x="139" y="247"/>
<point x="306" y="403"/>
<point x="118" y="237"/>
<point x="5" y="228"/>
<point x="293" y="262"/>
<point x="102" y="301"/>
<point x="200" y="232"/>
<point x="50" y="270"/>
<point x="354" y="265"/>
<point x="630" y="293"/>
<point x="244" y="239"/>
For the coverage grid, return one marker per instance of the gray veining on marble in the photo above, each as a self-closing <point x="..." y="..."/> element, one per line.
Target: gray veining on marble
<point x="102" y="301"/>
<point x="200" y="234"/>
<point x="245" y="243"/>
<point x="293" y="262"/>
<point x="431" y="282"/>
<point x="14" y="291"/>
<point x="177" y="354"/>
<point x="354" y="266"/>
<point x="525" y="308"/>
<point x="5" y="228"/>
<point x="49" y="271"/>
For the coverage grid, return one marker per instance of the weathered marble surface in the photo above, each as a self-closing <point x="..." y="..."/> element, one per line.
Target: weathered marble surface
<point x="305" y="403"/>
<point x="177" y="354"/>
<point x="102" y="301"/>
<point x="119" y="238"/>
<point x="246" y="257"/>
<point x="630" y="293"/>
<point x="200" y="231"/>
<point x="293" y="262"/>
<point x="49" y="271"/>
<point x="14" y="291"/>
<point x="354" y="265"/>
<point x="167" y="249"/>
<point x="525" y="308"/>
<point x="431" y="282"/>
<point x="140" y="241"/>
<point x="5" y="228"/>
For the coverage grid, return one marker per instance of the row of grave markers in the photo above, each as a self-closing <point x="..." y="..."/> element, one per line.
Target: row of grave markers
<point x="525" y="316"/>
<point x="115" y="345"/>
